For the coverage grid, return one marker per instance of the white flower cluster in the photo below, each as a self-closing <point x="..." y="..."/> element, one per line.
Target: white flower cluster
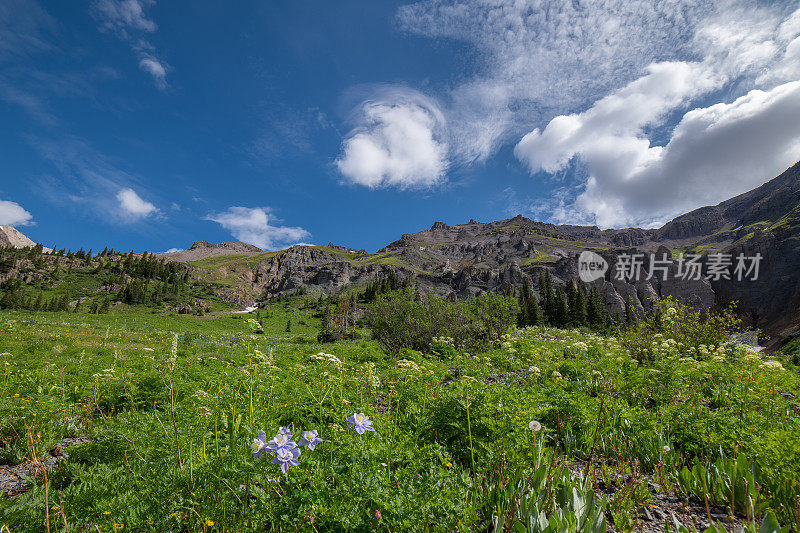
<point x="411" y="365"/>
<point x="262" y="358"/>
<point x="580" y="346"/>
<point x="372" y="377"/>
<point x="327" y="357"/>
<point x="107" y="373"/>
<point x="771" y="365"/>
<point x="255" y="325"/>
<point x="535" y="371"/>
<point x="444" y="340"/>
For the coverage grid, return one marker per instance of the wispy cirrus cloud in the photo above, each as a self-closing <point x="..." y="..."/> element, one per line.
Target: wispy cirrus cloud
<point x="253" y="226"/>
<point x="92" y="183"/>
<point x="128" y="19"/>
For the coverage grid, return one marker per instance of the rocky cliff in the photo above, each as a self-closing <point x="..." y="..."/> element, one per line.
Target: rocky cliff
<point x="464" y="259"/>
<point x="9" y="236"/>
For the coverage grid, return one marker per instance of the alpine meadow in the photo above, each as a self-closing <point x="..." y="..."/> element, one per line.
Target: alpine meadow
<point x="560" y="291"/>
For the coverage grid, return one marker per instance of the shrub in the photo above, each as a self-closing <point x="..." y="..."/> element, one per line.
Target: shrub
<point x="399" y="321"/>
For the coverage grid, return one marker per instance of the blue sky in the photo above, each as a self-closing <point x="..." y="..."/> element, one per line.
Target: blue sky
<point x="149" y="125"/>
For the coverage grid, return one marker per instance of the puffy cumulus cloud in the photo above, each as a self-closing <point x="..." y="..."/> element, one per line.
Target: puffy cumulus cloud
<point x="600" y="85"/>
<point x="133" y="207"/>
<point x="632" y="180"/>
<point x="13" y="214"/>
<point x="610" y="134"/>
<point x="397" y="142"/>
<point x="714" y="153"/>
<point x="252" y="225"/>
<point x="156" y="69"/>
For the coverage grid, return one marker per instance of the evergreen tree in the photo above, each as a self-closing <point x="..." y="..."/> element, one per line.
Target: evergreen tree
<point x="597" y="316"/>
<point x="548" y="297"/>
<point x="577" y="305"/>
<point x="560" y="309"/>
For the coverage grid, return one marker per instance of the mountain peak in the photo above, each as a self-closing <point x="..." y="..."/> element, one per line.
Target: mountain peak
<point x="10" y="236"/>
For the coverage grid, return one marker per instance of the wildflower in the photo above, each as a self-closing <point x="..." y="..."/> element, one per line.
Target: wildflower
<point x="535" y="425"/>
<point x="771" y="365"/>
<point x="666" y="448"/>
<point x="284" y="430"/>
<point x="310" y="439"/>
<point x="106" y="512"/>
<point x="377" y="514"/>
<point x="534" y="370"/>
<point x="259" y="445"/>
<point x="556" y="374"/>
<point x="360" y="423"/>
<point x="280" y="441"/>
<point x="209" y="522"/>
<point x="286" y="457"/>
<point x="419" y="476"/>
<point x="448" y="464"/>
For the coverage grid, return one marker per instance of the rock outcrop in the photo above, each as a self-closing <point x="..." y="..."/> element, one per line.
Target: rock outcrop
<point x="458" y="260"/>
<point x="10" y="236"/>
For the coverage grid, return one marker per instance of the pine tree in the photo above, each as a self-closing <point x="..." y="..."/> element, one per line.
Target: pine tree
<point x="577" y="305"/>
<point x="560" y="309"/>
<point x="548" y="297"/>
<point x="595" y="310"/>
<point x="523" y="318"/>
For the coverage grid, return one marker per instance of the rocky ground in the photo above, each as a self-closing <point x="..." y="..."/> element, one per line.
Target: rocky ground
<point x="13" y="478"/>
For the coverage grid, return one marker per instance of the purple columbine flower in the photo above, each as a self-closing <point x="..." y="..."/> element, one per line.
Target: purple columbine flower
<point x="360" y="423"/>
<point x="310" y="439"/>
<point x="280" y="441"/>
<point x="259" y="445"/>
<point x="286" y="457"/>
<point x="286" y="431"/>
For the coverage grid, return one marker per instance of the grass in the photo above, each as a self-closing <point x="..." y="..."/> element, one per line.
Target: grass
<point x="539" y="258"/>
<point x="450" y="425"/>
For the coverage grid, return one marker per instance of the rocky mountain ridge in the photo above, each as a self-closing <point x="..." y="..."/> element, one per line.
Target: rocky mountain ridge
<point x="464" y="259"/>
<point x="457" y="260"/>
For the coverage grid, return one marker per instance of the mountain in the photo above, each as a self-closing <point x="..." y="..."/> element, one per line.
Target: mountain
<point x="9" y="236"/>
<point x="458" y="260"/>
<point x="204" y="250"/>
<point x="465" y="259"/>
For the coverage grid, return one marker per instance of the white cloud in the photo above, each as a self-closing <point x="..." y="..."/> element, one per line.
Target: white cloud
<point x="128" y="19"/>
<point x="539" y="58"/>
<point x="714" y="153"/>
<point x="397" y="142"/>
<point x="156" y="69"/>
<point x="597" y="82"/>
<point x="13" y="214"/>
<point x="631" y="180"/>
<point x="609" y="135"/>
<point x="122" y="15"/>
<point x="252" y="225"/>
<point x="133" y="206"/>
